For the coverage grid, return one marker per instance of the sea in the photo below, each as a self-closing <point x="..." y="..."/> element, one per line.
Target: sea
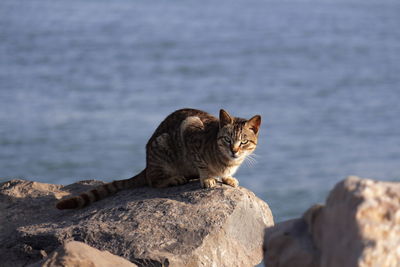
<point x="83" y="85"/>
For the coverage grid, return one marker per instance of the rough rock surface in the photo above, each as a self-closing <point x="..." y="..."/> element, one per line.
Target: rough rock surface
<point x="358" y="226"/>
<point x="176" y="226"/>
<point x="76" y="253"/>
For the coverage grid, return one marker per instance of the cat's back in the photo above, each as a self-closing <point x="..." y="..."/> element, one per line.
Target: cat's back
<point x="173" y="121"/>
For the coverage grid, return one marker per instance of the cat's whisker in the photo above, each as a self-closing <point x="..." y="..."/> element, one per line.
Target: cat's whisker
<point x="250" y="161"/>
<point x="249" y="164"/>
<point x="254" y="155"/>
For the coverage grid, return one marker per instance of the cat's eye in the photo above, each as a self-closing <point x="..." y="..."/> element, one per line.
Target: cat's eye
<point x="227" y="139"/>
<point x="244" y="141"/>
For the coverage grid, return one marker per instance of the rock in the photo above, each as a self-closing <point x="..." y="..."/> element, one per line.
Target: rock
<point x="176" y="226"/>
<point x="358" y="226"/>
<point x="79" y="254"/>
<point x="289" y="244"/>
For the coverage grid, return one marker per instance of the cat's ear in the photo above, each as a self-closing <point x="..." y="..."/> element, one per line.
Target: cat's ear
<point x="254" y="123"/>
<point x="224" y="118"/>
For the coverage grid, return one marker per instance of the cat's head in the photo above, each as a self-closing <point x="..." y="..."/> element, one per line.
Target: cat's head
<point x="237" y="137"/>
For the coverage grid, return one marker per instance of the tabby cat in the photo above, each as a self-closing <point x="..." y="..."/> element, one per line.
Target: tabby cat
<point x="188" y="144"/>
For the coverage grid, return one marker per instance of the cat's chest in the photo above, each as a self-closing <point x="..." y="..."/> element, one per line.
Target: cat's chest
<point x="223" y="171"/>
<point x="231" y="170"/>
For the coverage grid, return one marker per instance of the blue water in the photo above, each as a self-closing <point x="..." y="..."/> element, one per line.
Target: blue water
<point x="84" y="83"/>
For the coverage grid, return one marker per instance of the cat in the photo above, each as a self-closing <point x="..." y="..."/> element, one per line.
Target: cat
<point x="188" y="144"/>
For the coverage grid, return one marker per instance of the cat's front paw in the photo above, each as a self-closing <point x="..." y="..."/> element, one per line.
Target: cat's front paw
<point x="209" y="183"/>
<point x="230" y="181"/>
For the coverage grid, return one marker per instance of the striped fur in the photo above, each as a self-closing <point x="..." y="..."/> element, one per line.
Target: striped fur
<point x="101" y="192"/>
<point x="188" y="144"/>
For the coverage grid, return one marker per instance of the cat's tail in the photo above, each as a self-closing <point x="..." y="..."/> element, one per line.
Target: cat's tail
<point x="102" y="191"/>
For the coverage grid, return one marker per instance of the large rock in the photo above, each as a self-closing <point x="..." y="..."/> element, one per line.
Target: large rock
<point x="176" y="226"/>
<point x="358" y="226"/>
<point x="76" y="253"/>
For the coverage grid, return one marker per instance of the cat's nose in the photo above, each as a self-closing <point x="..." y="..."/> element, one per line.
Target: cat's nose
<point x="235" y="151"/>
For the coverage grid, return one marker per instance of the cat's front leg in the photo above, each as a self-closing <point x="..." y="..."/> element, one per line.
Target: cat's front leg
<point x="206" y="181"/>
<point x="230" y="181"/>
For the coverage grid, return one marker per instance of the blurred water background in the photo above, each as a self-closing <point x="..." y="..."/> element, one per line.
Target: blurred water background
<point x="83" y="84"/>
